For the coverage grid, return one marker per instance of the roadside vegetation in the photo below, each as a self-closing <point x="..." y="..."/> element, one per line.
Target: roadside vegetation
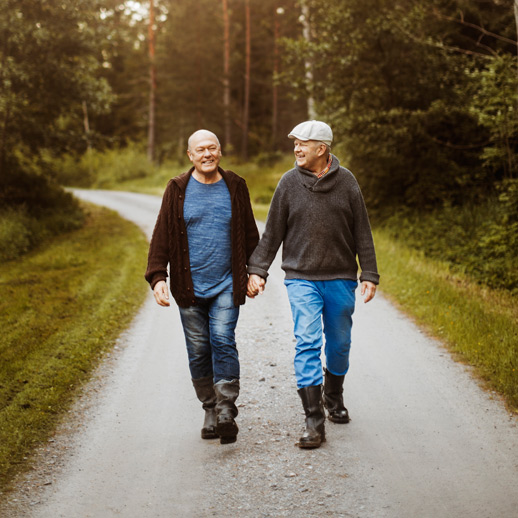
<point x="479" y="325"/>
<point x="61" y="307"/>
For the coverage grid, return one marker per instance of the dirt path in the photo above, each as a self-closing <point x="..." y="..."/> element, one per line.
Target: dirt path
<point x="424" y="440"/>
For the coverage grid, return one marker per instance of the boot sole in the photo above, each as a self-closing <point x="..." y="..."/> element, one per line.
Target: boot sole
<point x="306" y="445"/>
<point x="227" y="432"/>
<point x="209" y="435"/>
<point x="340" y="420"/>
<point x="310" y="445"/>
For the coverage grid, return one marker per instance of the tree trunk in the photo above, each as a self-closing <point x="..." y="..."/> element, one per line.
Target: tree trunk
<point x="275" y="95"/>
<point x="6" y="109"/>
<point x="246" y="107"/>
<point x="152" y="84"/>
<point x="226" y="77"/>
<point x="3" y="138"/>
<point x="86" y="125"/>
<point x="306" y="32"/>
<point x="199" y="76"/>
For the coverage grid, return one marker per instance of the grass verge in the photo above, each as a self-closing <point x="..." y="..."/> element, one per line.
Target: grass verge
<point x="61" y="307"/>
<point x="479" y="325"/>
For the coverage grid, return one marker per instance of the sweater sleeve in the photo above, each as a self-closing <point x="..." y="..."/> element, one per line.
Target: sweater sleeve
<point x="158" y="256"/>
<point x="252" y="234"/>
<point x="273" y="235"/>
<point x="364" y="241"/>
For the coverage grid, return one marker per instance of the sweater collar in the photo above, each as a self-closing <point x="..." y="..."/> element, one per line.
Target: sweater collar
<point x="322" y="184"/>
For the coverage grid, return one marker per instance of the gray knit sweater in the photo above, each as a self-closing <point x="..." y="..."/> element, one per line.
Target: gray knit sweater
<point x="323" y="226"/>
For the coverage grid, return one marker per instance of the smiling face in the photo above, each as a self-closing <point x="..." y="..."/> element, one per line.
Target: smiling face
<point x="204" y="152"/>
<point x="310" y="154"/>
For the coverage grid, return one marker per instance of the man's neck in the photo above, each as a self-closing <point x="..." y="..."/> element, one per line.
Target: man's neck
<point x="207" y="178"/>
<point x="320" y="166"/>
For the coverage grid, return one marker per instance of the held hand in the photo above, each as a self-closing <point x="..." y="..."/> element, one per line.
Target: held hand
<point x="255" y="285"/>
<point x="369" y="290"/>
<point x="161" y="293"/>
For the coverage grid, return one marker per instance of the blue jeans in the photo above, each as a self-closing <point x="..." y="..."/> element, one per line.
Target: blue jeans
<point x="209" y="329"/>
<point x="314" y="303"/>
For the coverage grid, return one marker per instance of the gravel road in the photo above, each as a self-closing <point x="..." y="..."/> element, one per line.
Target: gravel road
<point x="424" y="440"/>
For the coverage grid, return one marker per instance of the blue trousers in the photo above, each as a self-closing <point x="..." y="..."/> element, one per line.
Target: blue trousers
<point x="321" y="308"/>
<point x="209" y="329"/>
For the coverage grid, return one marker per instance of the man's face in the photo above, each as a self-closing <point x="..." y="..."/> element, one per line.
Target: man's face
<point x="205" y="154"/>
<point x="307" y="153"/>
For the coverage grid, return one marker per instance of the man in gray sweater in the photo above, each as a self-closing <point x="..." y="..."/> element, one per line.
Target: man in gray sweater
<point x="319" y="216"/>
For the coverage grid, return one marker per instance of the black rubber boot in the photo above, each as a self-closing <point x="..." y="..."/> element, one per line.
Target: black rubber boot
<point x="314" y="434"/>
<point x="333" y="398"/>
<point x="226" y="410"/>
<point x="204" y="388"/>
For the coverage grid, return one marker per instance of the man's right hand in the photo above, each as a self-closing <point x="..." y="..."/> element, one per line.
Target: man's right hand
<point x="161" y="293"/>
<point x="255" y="285"/>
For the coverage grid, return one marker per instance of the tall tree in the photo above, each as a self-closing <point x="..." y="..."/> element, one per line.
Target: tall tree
<point x="308" y="65"/>
<point x="246" y="104"/>
<point x="152" y="83"/>
<point x="226" y="75"/>
<point x="278" y="11"/>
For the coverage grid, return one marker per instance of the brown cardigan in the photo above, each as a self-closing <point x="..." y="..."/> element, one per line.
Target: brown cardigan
<point x="169" y="244"/>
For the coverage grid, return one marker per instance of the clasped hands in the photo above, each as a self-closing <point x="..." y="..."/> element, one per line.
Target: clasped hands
<point x="255" y="285"/>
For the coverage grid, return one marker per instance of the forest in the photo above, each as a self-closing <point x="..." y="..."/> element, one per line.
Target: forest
<point x="422" y="97"/>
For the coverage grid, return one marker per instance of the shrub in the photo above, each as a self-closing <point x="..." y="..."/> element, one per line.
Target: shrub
<point x="479" y="239"/>
<point x="15" y="233"/>
<point x="34" y="207"/>
<point x="105" y="168"/>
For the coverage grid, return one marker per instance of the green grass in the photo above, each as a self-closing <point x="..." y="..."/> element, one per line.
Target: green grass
<point x="479" y="325"/>
<point x="61" y="307"/>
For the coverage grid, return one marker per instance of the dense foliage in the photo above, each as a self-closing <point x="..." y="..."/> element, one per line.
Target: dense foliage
<point x="422" y="97"/>
<point x="48" y="69"/>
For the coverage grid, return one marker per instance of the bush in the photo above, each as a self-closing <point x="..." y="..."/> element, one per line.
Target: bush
<point x="103" y="169"/>
<point x="34" y="207"/>
<point x="479" y="239"/>
<point x="15" y="233"/>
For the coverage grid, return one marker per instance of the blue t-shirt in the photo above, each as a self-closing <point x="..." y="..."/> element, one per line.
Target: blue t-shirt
<point x="208" y="213"/>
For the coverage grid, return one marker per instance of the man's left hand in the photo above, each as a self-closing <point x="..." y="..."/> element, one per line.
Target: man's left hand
<point x="255" y="285"/>
<point x="369" y="290"/>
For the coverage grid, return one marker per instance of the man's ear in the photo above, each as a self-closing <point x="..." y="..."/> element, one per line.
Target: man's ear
<point x="189" y="155"/>
<point x="322" y="150"/>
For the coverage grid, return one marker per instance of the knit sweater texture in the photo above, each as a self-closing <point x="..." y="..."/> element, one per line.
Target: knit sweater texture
<point x="169" y="244"/>
<point x="323" y="226"/>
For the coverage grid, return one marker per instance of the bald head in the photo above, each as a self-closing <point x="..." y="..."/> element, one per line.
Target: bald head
<point x="200" y="135"/>
<point x="204" y="151"/>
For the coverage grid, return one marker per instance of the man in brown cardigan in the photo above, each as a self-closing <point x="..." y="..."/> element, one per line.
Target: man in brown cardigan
<point x="206" y="232"/>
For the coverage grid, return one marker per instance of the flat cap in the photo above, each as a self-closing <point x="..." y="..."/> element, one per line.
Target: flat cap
<point x="312" y="130"/>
